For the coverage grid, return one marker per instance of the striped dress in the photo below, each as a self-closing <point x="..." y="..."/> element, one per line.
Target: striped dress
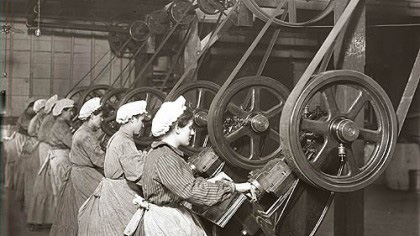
<point x="167" y="181"/>
<point x="110" y="208"/>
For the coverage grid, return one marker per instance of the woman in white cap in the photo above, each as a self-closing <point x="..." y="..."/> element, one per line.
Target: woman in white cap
<point x="87" y="163"/>
<point x="31" y="149"/>
<point x="110" y="207"/>
<point x="60" y="139"/>
<point x="41" y="208"/>
<point x="168" y="179"/>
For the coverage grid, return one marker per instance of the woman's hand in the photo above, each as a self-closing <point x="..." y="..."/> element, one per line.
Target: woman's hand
<point x="219" y="177"/>
<point x="247" y="187"/>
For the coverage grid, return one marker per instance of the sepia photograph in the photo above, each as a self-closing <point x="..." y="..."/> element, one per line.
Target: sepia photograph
<point x="210" y="118"/>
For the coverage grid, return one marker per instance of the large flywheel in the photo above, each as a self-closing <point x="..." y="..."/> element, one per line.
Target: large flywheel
<point x="76" y="93"/>
<point x="110" y="104"/>
<point x="321" y="135"/>
<point x="200" y="94"/>
<point x="94" y="91"/>
<point x="154" y="99"/>
<point x="242" y="124"/>
<point x="264" y="9"/>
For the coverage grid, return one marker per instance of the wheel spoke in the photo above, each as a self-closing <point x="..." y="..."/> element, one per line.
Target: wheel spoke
<point x="242" y="131"/>
<point x="315" y="126"/>
<point x="274" y="110"/>
<point x="329" y="98"/>
<point x="370" y="135"/>
<point x="353" y="169"/>
<point x="322" y="154"/>
<point x="109" y="119"/>
<point x="357" y="105"/>
<point x="236" y="110"/>
<point x="256" y="98"/>
<point x="248" y="100"/>
<point x="199" y="97"/>
<point x="291" y="7"/>
<point x="255" y="147"/>
<point x="274" y="135"/>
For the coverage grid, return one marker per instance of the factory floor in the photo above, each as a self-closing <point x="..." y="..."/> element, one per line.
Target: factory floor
<point x="387" y="213"/>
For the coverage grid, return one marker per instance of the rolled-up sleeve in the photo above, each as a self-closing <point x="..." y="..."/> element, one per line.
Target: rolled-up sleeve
<point x="179" y="180"/>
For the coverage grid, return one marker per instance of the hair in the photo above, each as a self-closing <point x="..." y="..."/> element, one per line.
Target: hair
<point x="96" y="112"/>
<point x="183" y="119"/>
<point x="132" y="118"/>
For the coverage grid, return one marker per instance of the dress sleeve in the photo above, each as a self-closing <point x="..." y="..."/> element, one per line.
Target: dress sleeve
<point x="32" y="128"/>
<point x="178" y="179"/>
<point x="132" y="164"/>
<point x="67" y="136"/>
<point x="93" y="151"/>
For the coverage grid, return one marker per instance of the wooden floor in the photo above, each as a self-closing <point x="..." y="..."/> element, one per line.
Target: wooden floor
<point x="387" y="213"/>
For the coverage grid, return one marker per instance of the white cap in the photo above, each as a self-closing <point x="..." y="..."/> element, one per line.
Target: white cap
<point x="126" y="111"/>
<point x="167" y="114"/>
<point x="39" y="104"/>
<point x="61" y="105"/>
<point x="89" y="107"/>
<point x="50" y="103"/>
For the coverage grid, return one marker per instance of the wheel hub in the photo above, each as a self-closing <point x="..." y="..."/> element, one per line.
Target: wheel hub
<point x="259" y="123"/>
<point x="345" y="130"/>
<point x="200" y="118"/>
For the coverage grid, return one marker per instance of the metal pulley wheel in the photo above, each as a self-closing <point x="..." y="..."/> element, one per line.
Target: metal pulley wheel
<point x="158" y="22"/>
<point x="213" y="7"/>
<point x="110" y="104"/>
<point x="116" y="42"/>
<point x="182" y="12"/>
<point x="76" y="93"/>
<point x="200" y="95"/>
<point x="263" y="11"/>
<point x="94" y="91"/>
<point x="243" y="123"/>
<point x="139" y="30"/>
<point x="319" y="133"/>
<point x="154" y="99"/>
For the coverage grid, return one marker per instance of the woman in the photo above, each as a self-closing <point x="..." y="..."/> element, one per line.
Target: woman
<point x="110" y="207"/>
<point x="87" y="163"/>
<point x="15" y="169"/>
<point x="32" y="155"/>
<point x="168" y="180"/>
<point x="60" y="140"/>
<point x="41" y="209"/>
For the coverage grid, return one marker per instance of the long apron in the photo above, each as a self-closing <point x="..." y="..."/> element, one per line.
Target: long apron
<point x="168" y="221"/>
<point x="108" y="210"/>
<point x="41" y="204"/>
<point x="60" y="165"/>
<point x="65" y="222"/>
<point x="30" y="155"/>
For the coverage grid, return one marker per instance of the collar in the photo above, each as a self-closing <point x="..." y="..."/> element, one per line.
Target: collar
<point x="161" y="144"/>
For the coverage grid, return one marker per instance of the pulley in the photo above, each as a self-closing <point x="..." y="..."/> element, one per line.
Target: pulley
<point x="315" y="144"/>
<point x="263" y="9"/>
<point x="110" y="104"/>
<point x="116" y="42"/>
<point x="182" y="12"/>
<point x="158" y="22"/>
<point x="212" y="7"/>
<point x="139" y="30"/>
<point x="154" y="99"/>
<point x="200" y="94"/>
<point x="244" y="126"/>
